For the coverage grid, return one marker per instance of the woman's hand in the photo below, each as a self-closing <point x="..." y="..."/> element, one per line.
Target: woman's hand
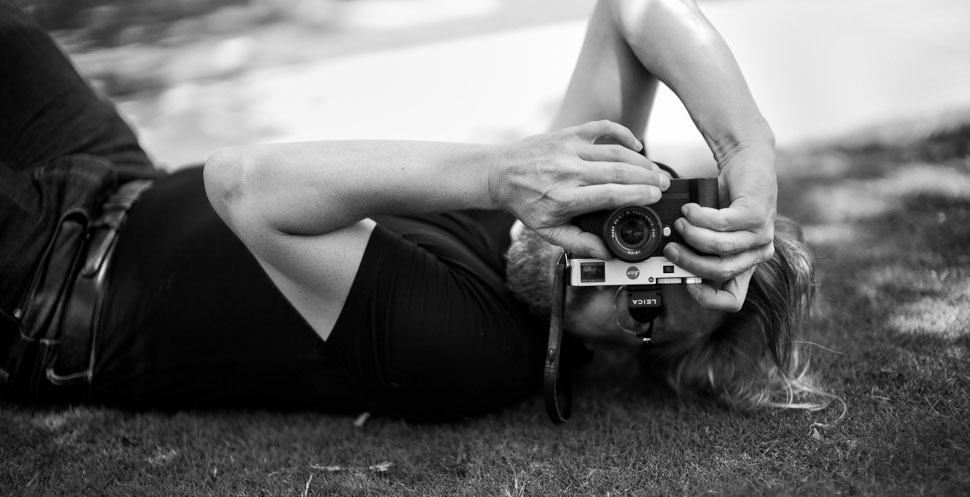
<point x="546" y="180"/>
<point x="733" y="239"/>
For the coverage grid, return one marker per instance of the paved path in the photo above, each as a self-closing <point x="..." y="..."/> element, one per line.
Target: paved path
<point x="818" y="69"/>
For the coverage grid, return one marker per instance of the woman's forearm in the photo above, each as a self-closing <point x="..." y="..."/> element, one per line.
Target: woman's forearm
<point x="677" y="44"/>
<point x="631" y="44"/>
<point x="269" y="192"/>
<point x="318" y="187"/>
<point x="608" y="82"/>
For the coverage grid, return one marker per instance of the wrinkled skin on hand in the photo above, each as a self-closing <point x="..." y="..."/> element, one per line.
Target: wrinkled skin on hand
<point x="546" y="180"/>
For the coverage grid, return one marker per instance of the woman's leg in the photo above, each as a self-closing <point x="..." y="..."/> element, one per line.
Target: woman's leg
<point x="47" y="110"/>
<point x="62" y="151"/>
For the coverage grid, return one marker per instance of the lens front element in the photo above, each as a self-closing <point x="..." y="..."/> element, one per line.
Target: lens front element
<point x="632" y="233"/>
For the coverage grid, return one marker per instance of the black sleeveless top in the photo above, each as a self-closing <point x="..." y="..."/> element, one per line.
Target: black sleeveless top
<point x="429" y="329"/>
<point x="429" y="309"/>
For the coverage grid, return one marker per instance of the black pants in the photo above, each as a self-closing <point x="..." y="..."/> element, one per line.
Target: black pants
<point x="190" y="319"/>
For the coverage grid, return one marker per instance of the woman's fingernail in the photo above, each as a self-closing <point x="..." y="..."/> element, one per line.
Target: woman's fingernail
<point x="672" y="253"/>
<point x="664" y="181"/>
<point x="694" y="291"/>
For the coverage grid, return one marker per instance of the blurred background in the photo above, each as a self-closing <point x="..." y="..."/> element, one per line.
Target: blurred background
<point x="195" y="75"/>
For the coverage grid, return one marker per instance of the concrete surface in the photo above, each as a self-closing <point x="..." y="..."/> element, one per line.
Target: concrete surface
<point x="819" y="69"/>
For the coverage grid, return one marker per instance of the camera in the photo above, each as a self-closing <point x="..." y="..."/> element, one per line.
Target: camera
<point x="637" y="234"/>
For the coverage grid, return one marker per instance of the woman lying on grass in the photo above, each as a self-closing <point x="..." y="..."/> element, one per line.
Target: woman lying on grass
<point x="372" y="275"/>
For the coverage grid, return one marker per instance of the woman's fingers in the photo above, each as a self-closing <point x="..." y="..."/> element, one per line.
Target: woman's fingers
<point x="727" y="297"/>
<point x="724" y="232"/>
<point x="609" y="196"/>
<point x="614" y="153"/>
<point x="715" y="267"/>
<point x="733" y="218"/>
<point x="601" y="173"/>
<point x="718" y="243"/>
<point x="575" y="241"/>
<point x="608" y="132"/>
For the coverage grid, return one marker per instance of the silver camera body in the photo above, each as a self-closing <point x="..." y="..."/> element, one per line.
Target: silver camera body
<point x="614" y="272"/>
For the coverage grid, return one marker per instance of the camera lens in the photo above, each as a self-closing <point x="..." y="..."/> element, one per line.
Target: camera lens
<point x="632" y="233"/>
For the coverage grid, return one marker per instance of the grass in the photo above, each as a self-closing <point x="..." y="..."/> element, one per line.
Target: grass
<point x="888" y="212"/>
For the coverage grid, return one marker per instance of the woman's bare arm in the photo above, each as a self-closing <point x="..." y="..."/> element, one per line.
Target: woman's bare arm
<point x="630" y="45"/>
<point x="303" y="209"/>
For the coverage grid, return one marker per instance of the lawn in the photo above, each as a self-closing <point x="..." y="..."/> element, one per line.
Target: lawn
<point x="888" y="212"/>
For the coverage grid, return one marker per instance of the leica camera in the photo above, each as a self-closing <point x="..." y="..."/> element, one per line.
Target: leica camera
<point x="637" y="234"/>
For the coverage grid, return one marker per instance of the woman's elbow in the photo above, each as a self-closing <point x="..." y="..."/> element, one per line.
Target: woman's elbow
<point x="224" y="177"/>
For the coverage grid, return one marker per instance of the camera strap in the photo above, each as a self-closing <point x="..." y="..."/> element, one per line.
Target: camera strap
<point x="557" y="388"/>
<point x="644" y="303"/>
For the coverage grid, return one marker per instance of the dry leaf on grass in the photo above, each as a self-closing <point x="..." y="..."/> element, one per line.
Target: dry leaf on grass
<point x="376" y="468"/>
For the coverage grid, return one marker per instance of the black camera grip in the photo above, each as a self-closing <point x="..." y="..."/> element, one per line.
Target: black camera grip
<point x="706" y="192"/>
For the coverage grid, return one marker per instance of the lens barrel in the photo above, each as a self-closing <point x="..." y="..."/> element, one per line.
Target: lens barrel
<point x="632" y="233"/>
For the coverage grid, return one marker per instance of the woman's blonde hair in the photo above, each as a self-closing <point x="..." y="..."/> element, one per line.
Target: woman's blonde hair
<point x="754" y="358"/>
